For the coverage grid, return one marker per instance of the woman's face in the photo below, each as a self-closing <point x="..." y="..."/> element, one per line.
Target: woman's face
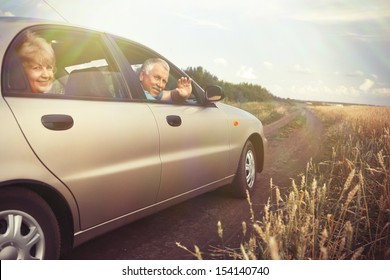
<point x="40" y="76"/>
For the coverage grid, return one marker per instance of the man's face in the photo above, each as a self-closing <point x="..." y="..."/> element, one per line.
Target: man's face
<point x="154" y="81"/>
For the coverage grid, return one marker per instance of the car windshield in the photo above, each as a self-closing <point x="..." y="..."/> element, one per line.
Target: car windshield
<point x="29" y="8"/>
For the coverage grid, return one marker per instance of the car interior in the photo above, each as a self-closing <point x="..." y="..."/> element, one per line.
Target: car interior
<point x="83" y="67"/>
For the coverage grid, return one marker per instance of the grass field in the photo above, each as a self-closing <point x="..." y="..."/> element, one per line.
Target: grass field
<point x="340" y="207"/>
<point x="267" y="112"/>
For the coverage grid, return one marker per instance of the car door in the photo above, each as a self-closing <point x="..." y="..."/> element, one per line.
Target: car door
<point x="194" y="148"/>
<point x="194" y="138"/>
<point x="103" y="147"/>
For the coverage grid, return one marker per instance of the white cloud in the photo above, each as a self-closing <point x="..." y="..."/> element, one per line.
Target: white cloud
<point x="246" y="73"/>
<point x="366" y="85"/>
<point x="208" y="23"/>
<point x="356" y="73"/>
<point x="325" y="93"/>
<point x="6" y="14"/>
<point x="340" y="10"/>
<point x="366" y="37"/>
<point x="297" y="68"/>
<point x="346" y="91"/>
<point x="384" y="92"/>
<point x="268" y="65"/>
<point x="336" y="16"/>
<point x="202" y="22"/>
<point x="220" y="61"/>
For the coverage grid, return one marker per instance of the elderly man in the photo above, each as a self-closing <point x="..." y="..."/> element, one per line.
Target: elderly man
<point x="154" y="75"/>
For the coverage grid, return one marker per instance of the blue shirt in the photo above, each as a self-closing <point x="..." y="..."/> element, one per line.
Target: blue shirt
<point x="151" y="97"/>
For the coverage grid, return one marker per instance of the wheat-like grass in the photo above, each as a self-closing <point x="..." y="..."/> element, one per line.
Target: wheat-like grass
<point x="341" y="207"/>
<point x="196" y="252"/>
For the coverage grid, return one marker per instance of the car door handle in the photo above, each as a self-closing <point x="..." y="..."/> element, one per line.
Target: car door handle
<point x="173" y="120"/>
<point x="57" y="122"/>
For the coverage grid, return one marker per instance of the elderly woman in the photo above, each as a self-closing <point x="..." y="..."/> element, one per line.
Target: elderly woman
<point x="38" y="61"/>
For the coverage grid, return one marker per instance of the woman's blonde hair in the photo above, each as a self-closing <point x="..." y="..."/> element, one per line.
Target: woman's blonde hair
<point x="36" y="49"/>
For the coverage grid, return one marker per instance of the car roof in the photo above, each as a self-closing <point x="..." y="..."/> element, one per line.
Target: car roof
<point x="23" y="22"/>
<point x="11" y="26"/>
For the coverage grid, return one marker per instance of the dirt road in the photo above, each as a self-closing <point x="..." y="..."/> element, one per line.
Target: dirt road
<point x="194" y="222"/>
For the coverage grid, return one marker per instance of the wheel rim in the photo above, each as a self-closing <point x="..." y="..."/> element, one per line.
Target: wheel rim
<point x="250" y="168"/>
<point x="21" y="236"/>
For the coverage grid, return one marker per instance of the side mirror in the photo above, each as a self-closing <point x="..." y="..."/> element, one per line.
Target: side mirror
<point x="214" y="93"/>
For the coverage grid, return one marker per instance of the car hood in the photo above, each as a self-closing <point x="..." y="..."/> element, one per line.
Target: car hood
<point x="235" y="112"/>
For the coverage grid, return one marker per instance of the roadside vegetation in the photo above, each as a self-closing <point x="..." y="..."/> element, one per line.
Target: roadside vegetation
<point x="242" y="92"/>
<point x="267" y="112"/>
<point x="249" y="97"/>
<point x="338" y="208"/>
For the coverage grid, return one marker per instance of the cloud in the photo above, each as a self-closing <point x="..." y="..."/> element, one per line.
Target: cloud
<point x="246" y="73"/>
<point x="366" y="85"/>
<point x="297" y="68"/>
<point x="384" y="92"/>
<point x="346" y="91"/>
<point x="268" y="65"/>
<point x="337" y="16"/>
<point x="334" y="11"/>
<point x="6" y="14"/>
<point x="367" y="38"/>
<point x="208" y="23"/>
<point x="220" y="61"/>
<point x="202" y="22"/>
<point x="356" y="73"/>
<point x="359" y="74"/>
<point x="323" y="92"/>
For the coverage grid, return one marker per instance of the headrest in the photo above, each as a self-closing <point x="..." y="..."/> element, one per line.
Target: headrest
<point x="88" y="82"/>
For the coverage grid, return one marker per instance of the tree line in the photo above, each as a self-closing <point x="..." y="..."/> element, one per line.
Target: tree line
<point x="241" y="92"/>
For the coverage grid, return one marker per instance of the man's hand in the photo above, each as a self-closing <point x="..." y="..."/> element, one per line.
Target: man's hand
<point x="184" y="87"/>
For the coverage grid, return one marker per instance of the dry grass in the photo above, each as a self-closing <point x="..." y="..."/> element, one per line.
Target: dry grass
<point x="267" y="112"/>
<point x="339" y="208"/>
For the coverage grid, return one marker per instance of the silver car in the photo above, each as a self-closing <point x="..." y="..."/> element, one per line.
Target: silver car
<point x="77" y="164"/>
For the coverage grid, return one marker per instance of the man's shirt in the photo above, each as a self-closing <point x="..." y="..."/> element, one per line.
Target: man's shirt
<point x="151" y="97"/>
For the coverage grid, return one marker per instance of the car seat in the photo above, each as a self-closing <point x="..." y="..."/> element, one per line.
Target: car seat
<point x="88" y="82"/>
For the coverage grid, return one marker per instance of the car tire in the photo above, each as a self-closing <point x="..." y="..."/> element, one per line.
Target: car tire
<point x="245" y="179"/>
<point x="28" y="226"/>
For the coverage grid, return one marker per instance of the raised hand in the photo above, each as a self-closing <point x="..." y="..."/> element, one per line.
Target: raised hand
<point x="184" y="87"/>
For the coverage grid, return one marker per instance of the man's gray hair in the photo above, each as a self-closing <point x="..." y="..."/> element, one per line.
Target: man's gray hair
<point x="149" y="63"/>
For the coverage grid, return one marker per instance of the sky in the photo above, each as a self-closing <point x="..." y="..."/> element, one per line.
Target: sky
<point x="317" y="50"/>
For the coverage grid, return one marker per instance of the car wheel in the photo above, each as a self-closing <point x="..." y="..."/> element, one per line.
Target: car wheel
<point x="246" y="173"/>
<point x="28" y="227"/>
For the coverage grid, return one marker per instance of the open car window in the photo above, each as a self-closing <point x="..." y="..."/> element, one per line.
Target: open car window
<point x="136" y="55"/>
<point x="84" y="68"/>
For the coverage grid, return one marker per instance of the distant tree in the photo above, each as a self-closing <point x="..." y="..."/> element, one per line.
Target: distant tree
<point x="235" y="92"/>
<point x="201" y="76"/>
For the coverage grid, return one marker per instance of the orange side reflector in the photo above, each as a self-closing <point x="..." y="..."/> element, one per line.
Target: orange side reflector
<point x="235" y="123"/>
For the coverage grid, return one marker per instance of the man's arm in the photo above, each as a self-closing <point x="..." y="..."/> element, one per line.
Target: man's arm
<point x="180" y="93"/>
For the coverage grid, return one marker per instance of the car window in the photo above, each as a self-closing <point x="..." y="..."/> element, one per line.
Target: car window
<point x="172" y="80"/>
<point x="136" y="55"/>
<point x="83" y="67"/>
